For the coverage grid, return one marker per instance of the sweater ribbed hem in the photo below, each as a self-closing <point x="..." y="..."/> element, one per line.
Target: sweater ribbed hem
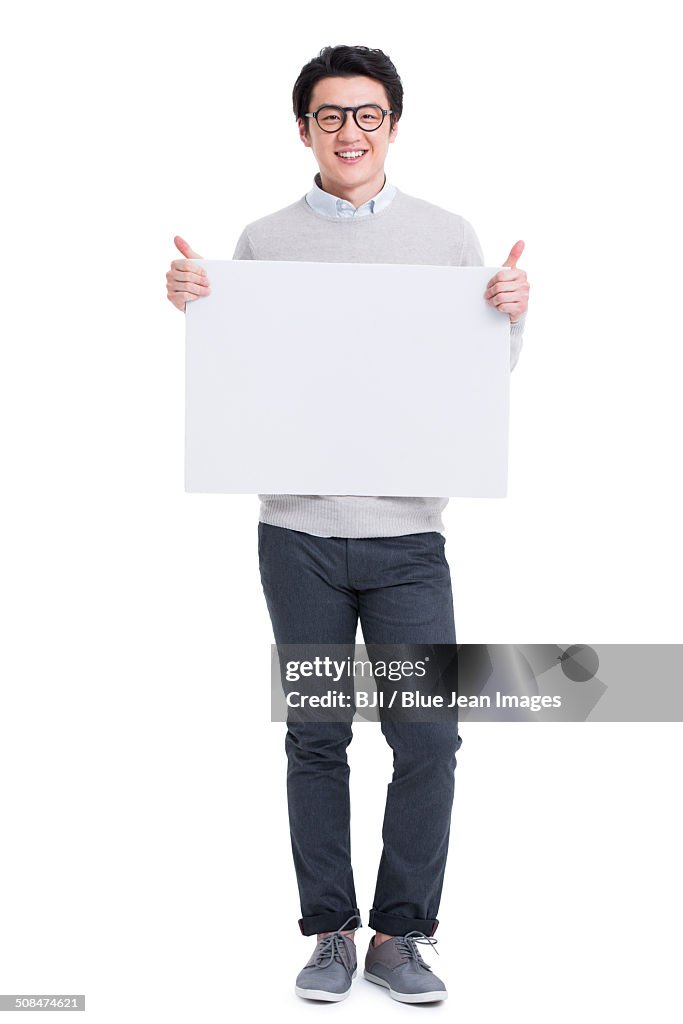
<point x="352" y="516"/>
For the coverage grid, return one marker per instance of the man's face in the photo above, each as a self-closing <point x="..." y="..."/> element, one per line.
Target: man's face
<point x="338" y="174"/>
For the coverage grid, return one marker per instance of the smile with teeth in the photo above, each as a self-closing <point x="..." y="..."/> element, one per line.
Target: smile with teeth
<point x="351" y="155"/>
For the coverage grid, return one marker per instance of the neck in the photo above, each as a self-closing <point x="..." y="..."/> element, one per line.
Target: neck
<point x="354" y="194"/>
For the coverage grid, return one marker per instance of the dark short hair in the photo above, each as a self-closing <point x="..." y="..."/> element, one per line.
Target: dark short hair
<point x="347" y="62"/>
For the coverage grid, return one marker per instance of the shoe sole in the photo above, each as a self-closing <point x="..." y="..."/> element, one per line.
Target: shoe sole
<point x="322" y="995"/>
<point x="407" y="997"/>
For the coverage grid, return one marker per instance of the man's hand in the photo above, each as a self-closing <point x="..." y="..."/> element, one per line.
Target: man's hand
<point x="186" y="281"/>
<point x="508" y="291"/>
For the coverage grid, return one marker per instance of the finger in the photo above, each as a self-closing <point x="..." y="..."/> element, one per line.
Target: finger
<point x="504" y="287"/>
<point x="198" y="276"/>
<point x="514" y="274"/>
<point x="188" y="266"/>
<point x="514" y="308"/>
<point x="515" y="252"/>
<point x="505" y="298"/>
<point x="186" y="249"/>
<point x="190" y="288"/>
<point x="183" y="297"/>
<point x="504" y="275"/>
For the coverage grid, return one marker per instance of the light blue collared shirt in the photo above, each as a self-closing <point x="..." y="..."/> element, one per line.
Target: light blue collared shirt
<point x="332" y="206"/>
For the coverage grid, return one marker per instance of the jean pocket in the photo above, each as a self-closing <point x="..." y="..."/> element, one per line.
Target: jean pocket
<point x="441" y="550"/>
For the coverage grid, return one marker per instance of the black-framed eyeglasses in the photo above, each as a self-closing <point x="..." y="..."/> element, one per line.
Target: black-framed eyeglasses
<point x="369" y="117"/>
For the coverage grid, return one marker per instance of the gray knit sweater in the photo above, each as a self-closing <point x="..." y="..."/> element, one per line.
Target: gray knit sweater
<point x="408" y="230"/>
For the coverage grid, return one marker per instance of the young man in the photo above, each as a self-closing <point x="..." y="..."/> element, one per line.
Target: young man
<point x="327" y="561"/>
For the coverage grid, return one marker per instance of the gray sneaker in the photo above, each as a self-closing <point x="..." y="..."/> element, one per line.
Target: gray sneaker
<point x="397" y="965"/>
<point x="331" y="969"/>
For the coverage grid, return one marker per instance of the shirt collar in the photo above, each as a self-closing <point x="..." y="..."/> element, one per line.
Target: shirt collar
<point x="334" y="207"/>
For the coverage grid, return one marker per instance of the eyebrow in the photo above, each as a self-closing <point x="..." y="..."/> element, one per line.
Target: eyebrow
<point x="365" y="103"/>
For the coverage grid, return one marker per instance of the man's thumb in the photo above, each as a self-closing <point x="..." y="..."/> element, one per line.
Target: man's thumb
<point x="515" y="252"/>
<point x="186" y="249"/>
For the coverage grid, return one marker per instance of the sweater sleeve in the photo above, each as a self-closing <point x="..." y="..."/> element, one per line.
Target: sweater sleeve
<point x="473" y="256"/>
<point x="472" y="253"/>
<point x="244" y="249"/>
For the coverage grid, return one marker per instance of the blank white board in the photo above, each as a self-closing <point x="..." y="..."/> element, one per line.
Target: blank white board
<point x="346" y="378"/>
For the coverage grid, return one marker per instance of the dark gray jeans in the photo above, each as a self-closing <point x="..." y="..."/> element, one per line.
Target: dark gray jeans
<point x="316" y="589"/>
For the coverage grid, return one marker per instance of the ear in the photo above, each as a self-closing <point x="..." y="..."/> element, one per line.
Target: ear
<point x="393" y="132"/>
<point x="302" y="132"/>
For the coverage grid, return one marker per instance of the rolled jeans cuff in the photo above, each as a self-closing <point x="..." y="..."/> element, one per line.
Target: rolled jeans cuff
<point x="389" y="924"/>
<point x="329" y="922"/>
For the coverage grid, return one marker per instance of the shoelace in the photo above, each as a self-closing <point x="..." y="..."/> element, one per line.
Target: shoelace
<point x="407" y="944"/>
<point x="332" y="948"/>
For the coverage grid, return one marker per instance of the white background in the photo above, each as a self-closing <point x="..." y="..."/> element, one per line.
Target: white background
<point x="144" y="852"/>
